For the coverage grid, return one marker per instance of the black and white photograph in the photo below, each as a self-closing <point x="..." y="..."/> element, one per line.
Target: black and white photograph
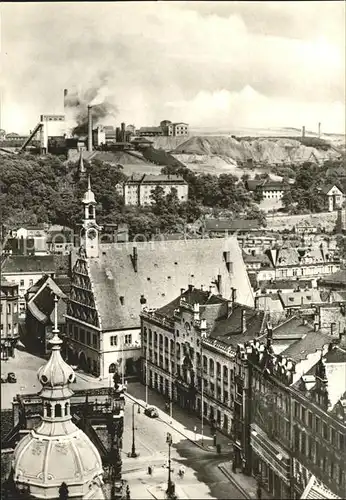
<point x="173" y="250"/>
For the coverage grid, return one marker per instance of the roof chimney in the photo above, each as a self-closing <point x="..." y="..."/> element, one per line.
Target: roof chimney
<point x="243" y="321"/>
<point x="196" y="315"/>
<point x="90" y="129"/>
<point x="134" y="258"/>
<point x="333" y="329"/>
<point x="182" y="291"/>
<point x="234" y="295"/>
<point x="229" y="308"/>
<point x="303" y="131"/>
<point x="191" y="287"/>
<point x="123" y="132"/>
<point x="203" y="328"/>
<point x="219" y="284"/>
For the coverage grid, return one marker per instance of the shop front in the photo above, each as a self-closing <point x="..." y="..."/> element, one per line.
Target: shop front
<point x="270" y="464"/>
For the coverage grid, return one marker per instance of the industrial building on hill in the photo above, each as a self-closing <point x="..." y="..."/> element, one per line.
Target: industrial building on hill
<point x="111" y="284"/>
<point x="138" y="188"/>
<point x="166" y="128"/>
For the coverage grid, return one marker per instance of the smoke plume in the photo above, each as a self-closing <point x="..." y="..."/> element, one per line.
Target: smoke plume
<point x="76" y="109"/>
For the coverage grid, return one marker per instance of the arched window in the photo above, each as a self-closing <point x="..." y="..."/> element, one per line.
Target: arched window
<point x="166" y="342"/>
<point x="171" y="346"/>
<point x="91" y="212"/>
<point x="225" y="373"/>
<point x="160" y="339"/>
<point x="58" y="412"/>
<point x="49" y="410"/>
<point x="218" y="369"/>
<point x="150" y="335"/>
<point x="67" y="409"/>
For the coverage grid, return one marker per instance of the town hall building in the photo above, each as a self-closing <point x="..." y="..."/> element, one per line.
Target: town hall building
<point x="113" y="282"/>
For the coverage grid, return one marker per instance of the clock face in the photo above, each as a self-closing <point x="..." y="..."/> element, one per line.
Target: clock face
<point x="91" y="234"/>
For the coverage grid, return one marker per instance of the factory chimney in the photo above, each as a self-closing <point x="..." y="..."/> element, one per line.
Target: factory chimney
<point x="303" y="131"/>
<point x="123" y="133"/>
<point x="90" y="130"/>
<point x="319" y="130"/>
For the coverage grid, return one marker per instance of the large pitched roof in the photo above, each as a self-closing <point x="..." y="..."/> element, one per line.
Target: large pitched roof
<point x="336" y="278"/>
<point x="308" y="344"/>
<point x="40" y="300"/>
<point x="303" y="298"/>
<point x="228" y="328"/>
<point x="28" y="263"/>
<point x="163" y="268"/>
<point x="231" y="224"/>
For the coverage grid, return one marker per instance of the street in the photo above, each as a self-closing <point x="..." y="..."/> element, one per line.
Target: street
<point x="202" y="478"/>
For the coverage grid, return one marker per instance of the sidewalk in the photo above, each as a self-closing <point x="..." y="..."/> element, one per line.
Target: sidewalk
<point x="182" y="422"/>
<point x="247" y="485"/>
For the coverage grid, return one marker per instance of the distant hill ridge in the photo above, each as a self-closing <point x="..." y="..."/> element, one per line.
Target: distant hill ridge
<point x="270" y="150"/>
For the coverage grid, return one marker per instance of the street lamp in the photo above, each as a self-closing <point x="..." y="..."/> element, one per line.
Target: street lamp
<point x="133" y="451"/>
<point x="146" y="371"/>
<point x="170" y="484"/>
<point x="202" y="393"/>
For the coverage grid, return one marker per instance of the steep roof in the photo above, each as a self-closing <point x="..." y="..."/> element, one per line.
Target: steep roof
<point x="163" y="268"/>
<point x="309" y="343"/>
<point x="326" y="189"/>
<point x="303" y="298"/>
<point x="228" y="329"/>
<point x="285" y="284"/>
<point x="28" y="263"/>
<point x="40" y="300"/>
<point x="194" y="296"/>
<point x="231" y="224"/>
<point x="336" y="278"/>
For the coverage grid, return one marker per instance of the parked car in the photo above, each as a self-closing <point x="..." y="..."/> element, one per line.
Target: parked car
<point x="151" y="412"/>
<point x="11" y="378"/>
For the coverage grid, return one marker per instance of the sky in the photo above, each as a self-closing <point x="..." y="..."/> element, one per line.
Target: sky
<point x="210" y="64"/>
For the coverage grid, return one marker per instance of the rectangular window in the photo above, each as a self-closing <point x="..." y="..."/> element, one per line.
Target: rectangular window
<point x="310" y="419"/>
<point x="94" y="340"/>
<point x="128" y="339"/>
<point x="114" y="340"/>
<point x="31" y="282"/>
<point x="75" y="332"/>
<point x="8" y="308"/>
<point x="341" y="441"/>
<point x="296" y="409"/>
<point x="333" y="436"/>
<point x="82" y="336"/>
<point x="88" y="336"/>
<point x="303" y="414"/>
<point x="325" y="431"/>
<point x="21" y="282"/>
<point x="9" y="327"/>
<point x="317" y="425"/>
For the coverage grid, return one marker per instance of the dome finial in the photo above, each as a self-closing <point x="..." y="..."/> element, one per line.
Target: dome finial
<point x="56" y="340"/>
<point x="89" y="184"/>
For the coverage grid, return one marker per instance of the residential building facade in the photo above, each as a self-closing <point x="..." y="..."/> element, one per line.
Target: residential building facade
<point x="138" y="189"/>
<point x="289" y="419"/>
<point x="188" y="347"/>
<point x="25" y="270"/>
<point x="9" y="317"/>
<point x="335" y="197"/>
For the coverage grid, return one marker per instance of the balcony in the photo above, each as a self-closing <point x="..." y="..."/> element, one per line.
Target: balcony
<point x="163" y="321"/>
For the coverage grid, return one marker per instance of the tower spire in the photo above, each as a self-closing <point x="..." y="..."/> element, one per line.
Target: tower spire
<point x="81" y="168"/>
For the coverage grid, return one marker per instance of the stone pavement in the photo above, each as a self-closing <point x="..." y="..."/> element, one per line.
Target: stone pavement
<point x="182" y="422"/>
<point x="247" y="485"/>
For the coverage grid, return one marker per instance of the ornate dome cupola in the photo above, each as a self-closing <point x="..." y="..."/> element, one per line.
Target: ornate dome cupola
<point x="57" y="451"/>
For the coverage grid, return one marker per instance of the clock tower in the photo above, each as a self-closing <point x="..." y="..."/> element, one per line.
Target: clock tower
<point x="90" y="228"/>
